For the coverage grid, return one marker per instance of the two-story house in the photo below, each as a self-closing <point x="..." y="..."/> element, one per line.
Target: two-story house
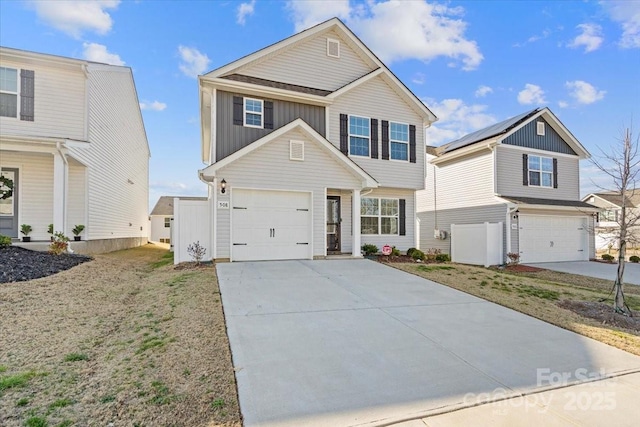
<point x="314" y="147"/>
<point x="522" y="173"/>
<point x="607" y="230"/>
<point x="73" y="142"/>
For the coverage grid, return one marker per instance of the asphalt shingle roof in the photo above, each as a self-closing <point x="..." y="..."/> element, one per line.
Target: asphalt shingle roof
<point x="549" y="202"/>
<point x="164" y="205"/>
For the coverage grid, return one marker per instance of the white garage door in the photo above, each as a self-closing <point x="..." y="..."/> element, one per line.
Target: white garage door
<point x="553" y="238"/>
<point x="270" y="225"/>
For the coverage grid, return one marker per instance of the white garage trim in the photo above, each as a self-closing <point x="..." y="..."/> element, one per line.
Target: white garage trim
<point x="553" y="238"/>
<point x="305" y="249"/>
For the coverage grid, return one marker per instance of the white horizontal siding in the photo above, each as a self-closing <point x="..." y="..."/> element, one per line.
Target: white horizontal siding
<point x="510" y="170"/>
<point x="376" y="99"/>
<point x="76" y="199"/>
<point x="59" y="103"/>
<point x="158" y="230"/>
<point x="269" y="167"/>
<point x="307" y="64"/>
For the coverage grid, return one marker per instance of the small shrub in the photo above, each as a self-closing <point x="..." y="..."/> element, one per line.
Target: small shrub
<point x="417" y="255"/>
<point x="50" y="228"/>
<point x="196" y="251"/>
<point x="410" y="251"/>
<point x="369" y="249"/>
<point x="75" y="357"/>
<point x="26" y="229"/>
<point x="443" y="258"/>
<point x="607" y="257"/>
<point x="59" y="244"/>
<point x="431" y="253"/>
<point x="77" y="229"/>
<point x="514" y="258"/>
<point x="5" y="241"/>
<point x="634" y="258"/>
<point x="36" y="422"/>
<point x="395" y="251"/>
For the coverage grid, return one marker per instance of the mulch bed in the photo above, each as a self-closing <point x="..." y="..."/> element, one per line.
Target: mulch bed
<point x="390" y="259"/>
<point x="20" y="264"/>
<point x="603" y="313"/>
<point x="519" y="268"/>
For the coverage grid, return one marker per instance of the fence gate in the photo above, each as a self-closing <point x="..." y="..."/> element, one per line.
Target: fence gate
<point x="191" y="223"/>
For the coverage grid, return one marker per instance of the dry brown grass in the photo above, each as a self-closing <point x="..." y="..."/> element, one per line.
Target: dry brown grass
<point x="538" y="295"/>
<point x="124" y="339"/>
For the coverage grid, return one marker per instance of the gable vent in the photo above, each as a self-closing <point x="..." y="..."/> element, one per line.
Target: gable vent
<point x="333" y="48"/>
<point x="540" y="128"/>
<point x="296" y="150"/>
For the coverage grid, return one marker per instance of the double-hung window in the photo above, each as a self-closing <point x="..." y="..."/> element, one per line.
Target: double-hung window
<point x="8" y="92"/>
<point x="379" y="216"/>
<point x="540" y="171"/>
<point x="253" y="112"/>
<point x="399" y="141"/>
<point x="167" y="222"/>
<point x="359" y="136"/>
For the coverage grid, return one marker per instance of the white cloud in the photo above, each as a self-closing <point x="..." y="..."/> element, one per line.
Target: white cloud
<point x="563" y="104"/>
<point x="627" y="13"/>
<point x="98" y="53"/>
<point x="244" y="10"/>
<point x="419" y="78"/>
<point x="483" y="91"/>
<point x="154" y="106"/>
<point x="583" y="92"/>
<point x="421" y="30"/>
<point x="75" y="17"/>
<point x="545" y="33"/>
<point x="456" y="119"/>
<point x="591" y="37"/>
<point x="531" y="94"/>
<point x="193" y="62"/>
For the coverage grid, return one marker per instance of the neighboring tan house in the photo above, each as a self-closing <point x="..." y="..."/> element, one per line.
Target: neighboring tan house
<point x="314" y="147"/>
<point x="161" y="217"/>
<point x="522" y="173"/>
<point x="73" y="141"/>
<point x="607" y="230"/>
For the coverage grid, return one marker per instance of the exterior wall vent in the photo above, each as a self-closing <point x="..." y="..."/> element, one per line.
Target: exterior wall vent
<point x="333" y="48"/>
<point x="540" y="128"/>
<point x="296" y="150"/>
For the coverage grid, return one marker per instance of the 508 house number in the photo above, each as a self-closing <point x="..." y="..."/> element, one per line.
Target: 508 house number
<point x="223" y="204"/>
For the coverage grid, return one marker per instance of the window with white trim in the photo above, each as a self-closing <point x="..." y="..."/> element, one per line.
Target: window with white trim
<point x="399" y="141"/>
<point x="610" y="215"/>
<point x="8" y="92"/>
<point x="540" y="171"/>
<point x="253" y="112"/>
<point x="359" y="136"/>
<point x="167" y="222"/>
<point x="379" y="216"/>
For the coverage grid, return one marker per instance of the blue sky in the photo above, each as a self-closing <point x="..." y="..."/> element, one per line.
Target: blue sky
<point x="472" y="62"/>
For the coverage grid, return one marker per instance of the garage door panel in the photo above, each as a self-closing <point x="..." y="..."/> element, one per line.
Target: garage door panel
<point x="553" y="238"/>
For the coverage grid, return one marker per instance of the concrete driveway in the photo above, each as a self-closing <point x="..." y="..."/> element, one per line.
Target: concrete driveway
<point x="353" y="343"/>
<point x="600" y="270"/>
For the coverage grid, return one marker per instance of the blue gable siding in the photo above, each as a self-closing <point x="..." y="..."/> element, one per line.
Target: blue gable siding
<point x="528" y="137"/>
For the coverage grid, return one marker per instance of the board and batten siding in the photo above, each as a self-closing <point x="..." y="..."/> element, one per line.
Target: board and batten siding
<point x="509" y="169"/>
<point x="231" y="138"/>
<point x="271" y="169"/>
<point x="307" y="64"/>
<point x="528" y="137"/>
<point x="59" y="103"/>
<point x="376" y="99"/>
<point x="117" y="157"/>
<point x="35" y="187"/>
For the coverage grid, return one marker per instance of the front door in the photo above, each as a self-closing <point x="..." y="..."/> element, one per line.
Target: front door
<point x="9" y="206"/>
<point x="333" y="224"/>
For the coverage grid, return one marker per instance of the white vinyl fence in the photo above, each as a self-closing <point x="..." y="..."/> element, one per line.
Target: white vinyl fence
<point x="191" y="223"/>
<point x="478" y="244"/>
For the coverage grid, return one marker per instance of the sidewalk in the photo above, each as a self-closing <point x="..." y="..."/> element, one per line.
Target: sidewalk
<point x="613" y="401"/>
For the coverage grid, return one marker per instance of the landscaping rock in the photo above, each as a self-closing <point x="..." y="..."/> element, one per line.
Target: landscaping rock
<point x="19" y="264"/>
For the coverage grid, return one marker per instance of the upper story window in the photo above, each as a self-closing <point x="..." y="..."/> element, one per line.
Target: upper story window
<point x="399" y="141"/>
<point x="359" y="136"/>
<point x="379" y="216"/>
<point x="253" y="112"/>
<point x="167" y="222"/>
<point x="8" y="92"/>
<point x="610" y="215"/>
<point x="540" y="171"/>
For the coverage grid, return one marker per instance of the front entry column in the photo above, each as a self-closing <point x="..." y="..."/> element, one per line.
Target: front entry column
<point x="59" y="193"/>
<point x="355" y="212"/>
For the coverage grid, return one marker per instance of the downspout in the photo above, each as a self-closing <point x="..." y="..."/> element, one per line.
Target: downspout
<point x="510" y="212"/>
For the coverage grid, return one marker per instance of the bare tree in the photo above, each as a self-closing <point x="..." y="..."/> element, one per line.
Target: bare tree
<point x="622" y="164"/>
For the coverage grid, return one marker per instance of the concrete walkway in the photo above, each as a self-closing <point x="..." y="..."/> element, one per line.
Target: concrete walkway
<point x="356" y="343"/>
<point x="600" y="270"/>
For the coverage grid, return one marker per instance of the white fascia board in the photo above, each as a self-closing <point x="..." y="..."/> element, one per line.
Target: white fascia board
<point x="613" y="205"/>
<point x="205" y="126"/>
<point x="537" y="151"/>
<point x="478" y="146"/>
<point x="584" y="210"/>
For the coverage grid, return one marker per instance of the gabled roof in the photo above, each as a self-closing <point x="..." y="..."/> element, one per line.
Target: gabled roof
<point x="548" y="202"/>
<point x="368" y="181"/>
<point x="615" y="198"/>
<point x="164" y="205"/>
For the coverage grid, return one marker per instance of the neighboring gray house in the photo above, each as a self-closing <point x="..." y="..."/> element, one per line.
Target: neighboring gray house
<point x="607" y="230"/>
<point x="161" y="217"/>
<point x="522" y="172"/>
<point x="315" y="147"/>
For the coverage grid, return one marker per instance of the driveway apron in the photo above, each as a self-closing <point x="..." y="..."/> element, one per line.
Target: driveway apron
<point x="354" y="342"/>
<point x="596" y="269"/>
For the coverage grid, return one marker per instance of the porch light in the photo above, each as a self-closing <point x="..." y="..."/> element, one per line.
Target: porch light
<point x="223" y="186"/>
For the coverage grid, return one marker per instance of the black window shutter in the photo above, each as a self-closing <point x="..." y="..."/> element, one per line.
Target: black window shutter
<point x="27" y="93"/>
<point x="238" y="110"/>
<point x="412" y="143"/>
<point x="402" y="217"/>
<point x="268" y="114"/>
<point x="385" y="140"/>
<point x="374" y="138"/>
<point x="525" y="169"/>
<point x="555" y="173"/>
<point x="344" y="134"/>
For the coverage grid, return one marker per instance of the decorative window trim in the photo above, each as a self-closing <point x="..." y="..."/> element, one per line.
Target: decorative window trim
<point x="540" y="128"/>
<point x="380" y="216"/>
<point x="336" y="43"/>
<point x="245" y="112"/>
<point x="395" y="141"/>
<point x="167" y="222"/>
<point x="350" y="135"/>
<point x="16" y="93"/>
<point x="541" y="171"/>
